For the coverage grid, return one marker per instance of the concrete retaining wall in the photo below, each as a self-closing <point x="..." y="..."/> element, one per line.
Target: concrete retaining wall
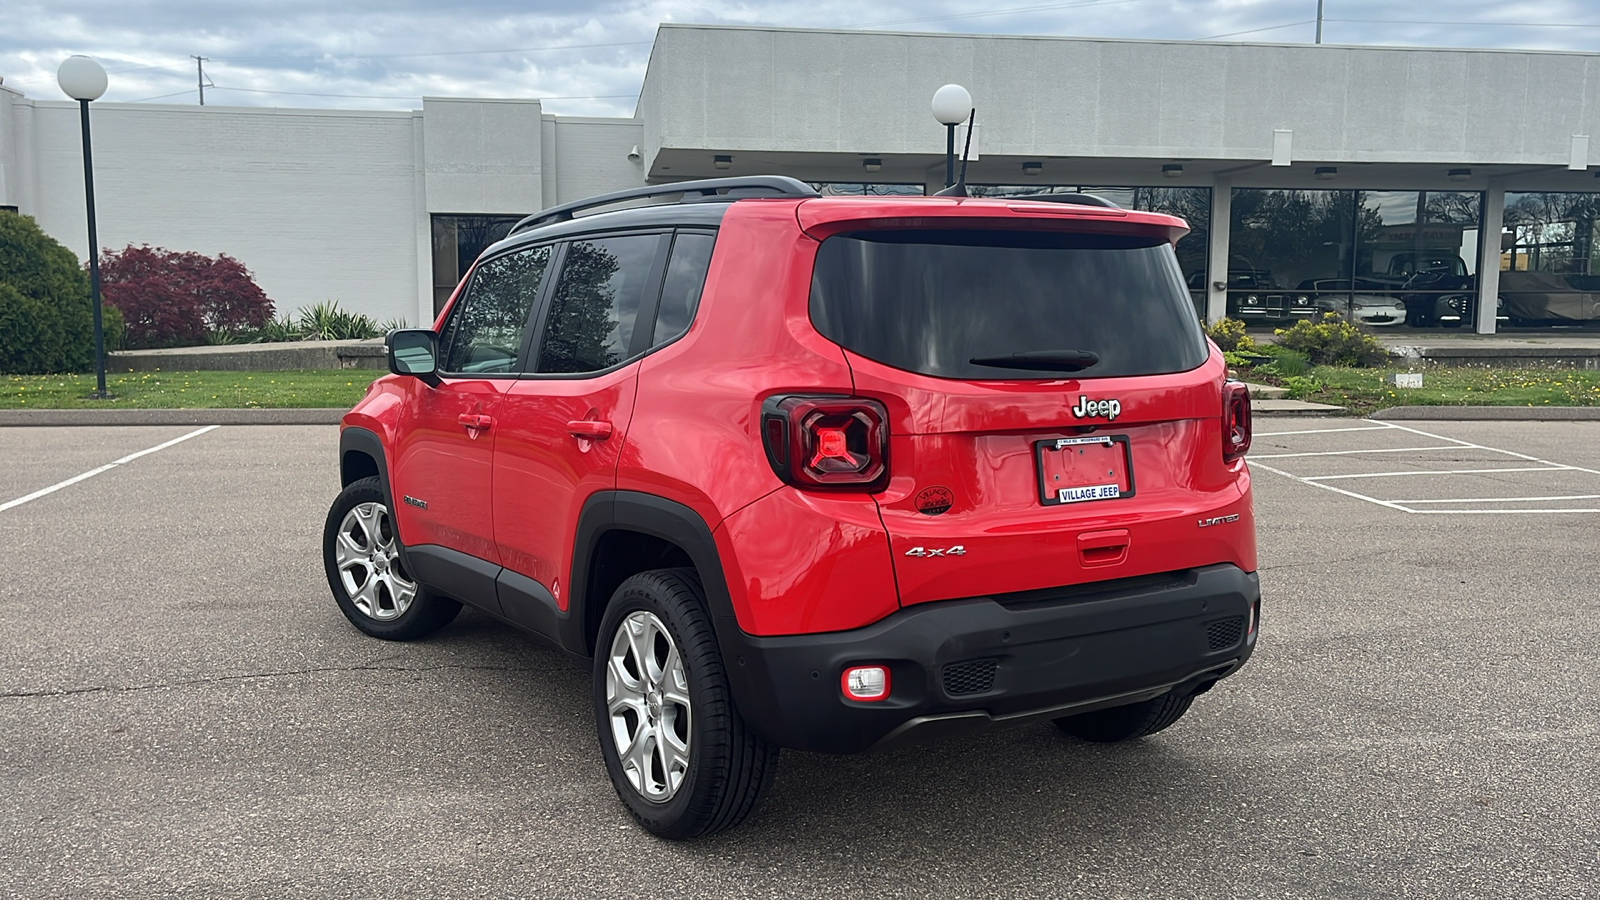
<point x="253" y="357"/>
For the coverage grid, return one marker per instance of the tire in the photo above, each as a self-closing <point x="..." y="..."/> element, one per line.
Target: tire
<point x="1126" y="723"/>
<point x="680" y="757"/>
<point x="360" y="553"/>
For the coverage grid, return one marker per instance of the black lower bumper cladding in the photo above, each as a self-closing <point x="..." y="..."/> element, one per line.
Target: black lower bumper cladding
<point x="964" y="665"/>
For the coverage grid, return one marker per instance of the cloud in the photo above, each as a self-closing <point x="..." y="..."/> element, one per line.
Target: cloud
<point x="371" y="54"/>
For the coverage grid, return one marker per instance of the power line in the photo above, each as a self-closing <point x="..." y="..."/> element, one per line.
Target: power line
<point x="1475" y="24"/>
<point x="161" y="97"/>
<point x="1256" y="30"/>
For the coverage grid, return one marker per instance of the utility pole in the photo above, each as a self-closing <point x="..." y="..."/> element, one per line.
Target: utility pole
<point x="1319" y="21"/>
<point x="200" y="71"/>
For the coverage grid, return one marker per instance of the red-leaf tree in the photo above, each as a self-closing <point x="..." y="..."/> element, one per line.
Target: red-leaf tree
<point x="170" y="298"/>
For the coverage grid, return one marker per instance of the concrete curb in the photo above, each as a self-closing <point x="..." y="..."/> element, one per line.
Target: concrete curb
<point x="1489" y="413"/>
<point x="1275" y="408"/>
<point x="104" y="417"/>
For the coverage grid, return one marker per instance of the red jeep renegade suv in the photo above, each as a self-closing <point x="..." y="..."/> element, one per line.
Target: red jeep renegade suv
<point x="822" y="473"/>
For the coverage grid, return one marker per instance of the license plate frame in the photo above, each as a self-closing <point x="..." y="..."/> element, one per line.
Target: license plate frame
<point x="1114" y="447"/>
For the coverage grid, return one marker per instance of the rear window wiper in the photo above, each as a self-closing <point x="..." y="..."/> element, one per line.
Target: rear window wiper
<point x="1041" y="360"/>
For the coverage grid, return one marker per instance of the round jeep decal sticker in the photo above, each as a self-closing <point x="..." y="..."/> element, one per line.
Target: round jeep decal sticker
<point x="934" y="500"/>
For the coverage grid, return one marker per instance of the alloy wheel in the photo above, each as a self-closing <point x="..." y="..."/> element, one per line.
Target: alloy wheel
<point x="368" y="561"/>
<point x="647" y="698"/>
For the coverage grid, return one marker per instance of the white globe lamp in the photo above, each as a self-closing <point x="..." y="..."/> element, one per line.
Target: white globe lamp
<point x="952" y="104"/>
<point x="81" y="78"/>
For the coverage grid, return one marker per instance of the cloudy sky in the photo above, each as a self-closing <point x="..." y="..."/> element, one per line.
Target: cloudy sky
<point x="588" y="58"/>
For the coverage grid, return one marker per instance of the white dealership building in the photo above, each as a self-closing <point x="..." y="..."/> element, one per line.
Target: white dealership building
<point x="1332" y="172"/>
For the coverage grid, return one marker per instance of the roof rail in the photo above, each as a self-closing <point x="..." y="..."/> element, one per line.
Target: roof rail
<point x="691" y="192"/>
<point x="1076" y="199"/>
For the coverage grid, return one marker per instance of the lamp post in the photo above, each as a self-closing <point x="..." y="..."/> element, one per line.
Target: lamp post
<point x="82" y="79"/>
<point x="951" y="106"/>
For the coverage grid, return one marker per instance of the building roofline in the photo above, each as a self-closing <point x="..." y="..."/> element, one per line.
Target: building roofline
<point x="689" y="26"/>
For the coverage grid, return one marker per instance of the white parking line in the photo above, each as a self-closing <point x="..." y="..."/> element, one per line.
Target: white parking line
<point x="1509" y="499"/>
<point x="1495" y="450"/>
<point x="1408" y="506"/>
<point x="105" y="468"/>
<point x="1500" y="512"/>
<point x="1328" y="487"/>
<point x="1550" y="468"/>
<point x="1322" y="431"/>
<point x="1355" y="452"/>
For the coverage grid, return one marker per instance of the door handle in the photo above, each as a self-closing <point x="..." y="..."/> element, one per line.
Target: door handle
<point x="471" y="420"/>
<point x="589" y="428"/>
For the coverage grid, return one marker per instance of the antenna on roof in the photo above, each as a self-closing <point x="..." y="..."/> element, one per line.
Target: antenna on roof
<point x="959" y="189"/>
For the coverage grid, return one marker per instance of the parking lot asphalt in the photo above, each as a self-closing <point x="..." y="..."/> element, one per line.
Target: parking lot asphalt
<point x="184" y="712"/>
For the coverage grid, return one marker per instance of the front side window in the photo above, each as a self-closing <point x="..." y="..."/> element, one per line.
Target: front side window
<point x="933" y="302"/>
<point x="484" y="334"/>
<point x="590" y="323"/>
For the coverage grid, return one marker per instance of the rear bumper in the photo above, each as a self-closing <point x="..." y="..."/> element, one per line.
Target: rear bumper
<point x="964" y="665"/>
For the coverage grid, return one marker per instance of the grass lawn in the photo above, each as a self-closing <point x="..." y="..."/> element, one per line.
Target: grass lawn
<point x="339" y="388"/>
<point x="1364" y="390"/>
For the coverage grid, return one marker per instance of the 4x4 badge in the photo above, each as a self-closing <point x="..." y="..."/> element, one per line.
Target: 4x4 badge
<point x="957" y="550"/>
<point x="1087" y="408"/>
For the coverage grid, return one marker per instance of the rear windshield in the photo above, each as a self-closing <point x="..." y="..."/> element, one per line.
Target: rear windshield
<point x="929" y="301"/>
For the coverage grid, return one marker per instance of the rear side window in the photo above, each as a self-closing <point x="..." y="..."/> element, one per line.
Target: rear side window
<point x="929" y="301"/>
<point x="686" y="276"/>
<point x="484" y="334"/>
<point x="590" y="323"/>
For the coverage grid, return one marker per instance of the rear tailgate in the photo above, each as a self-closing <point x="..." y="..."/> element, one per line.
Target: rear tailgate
<point x="1095" y="455"/>
<point x="978" y="469"/>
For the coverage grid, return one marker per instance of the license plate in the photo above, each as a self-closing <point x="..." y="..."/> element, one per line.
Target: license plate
<point x="1083" y="469"/>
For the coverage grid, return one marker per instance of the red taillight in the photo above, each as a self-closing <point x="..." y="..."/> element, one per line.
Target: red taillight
<point x="827" y="442"/>
<point x="1235" y="421"/>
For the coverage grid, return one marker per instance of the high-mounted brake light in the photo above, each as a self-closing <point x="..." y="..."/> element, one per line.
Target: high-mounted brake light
<point x="1236" y="427"/>
<point x="827" y="442"/>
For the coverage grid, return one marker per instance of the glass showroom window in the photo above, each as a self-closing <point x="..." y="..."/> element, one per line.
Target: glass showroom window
<point x="1378" y="258"/>
<point x="1192" y="204"/>
<point x="1550" y="271"/>
<point x="457" y="241"/>
<point x="850" y="189"/>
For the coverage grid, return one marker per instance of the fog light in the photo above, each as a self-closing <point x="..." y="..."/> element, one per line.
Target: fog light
<point x="865" y="682"/>
<point x="1255" y="614"/>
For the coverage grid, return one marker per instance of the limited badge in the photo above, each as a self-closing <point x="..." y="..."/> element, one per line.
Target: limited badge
<point x="934" y="500"/>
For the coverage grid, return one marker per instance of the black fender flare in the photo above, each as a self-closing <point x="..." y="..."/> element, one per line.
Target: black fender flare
<point x="354" y="439"/>
<point x="659" y="517"/>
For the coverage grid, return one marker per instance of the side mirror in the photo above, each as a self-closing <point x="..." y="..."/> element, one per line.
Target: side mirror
<point x="415" y="352"/>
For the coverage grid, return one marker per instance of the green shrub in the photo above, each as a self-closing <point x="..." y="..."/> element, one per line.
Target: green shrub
<point x="326" y="321"/>
<point x="1301" y="387"/>
<point x="279" y="330"/>
<point x="1285" y="362"/>
<point x="112" y="328"/>
<point x="1331" y="341"/>
<point x="1237" y="360"/>
<point x="46" y="320"/>
<point x="1229" y="335"/>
